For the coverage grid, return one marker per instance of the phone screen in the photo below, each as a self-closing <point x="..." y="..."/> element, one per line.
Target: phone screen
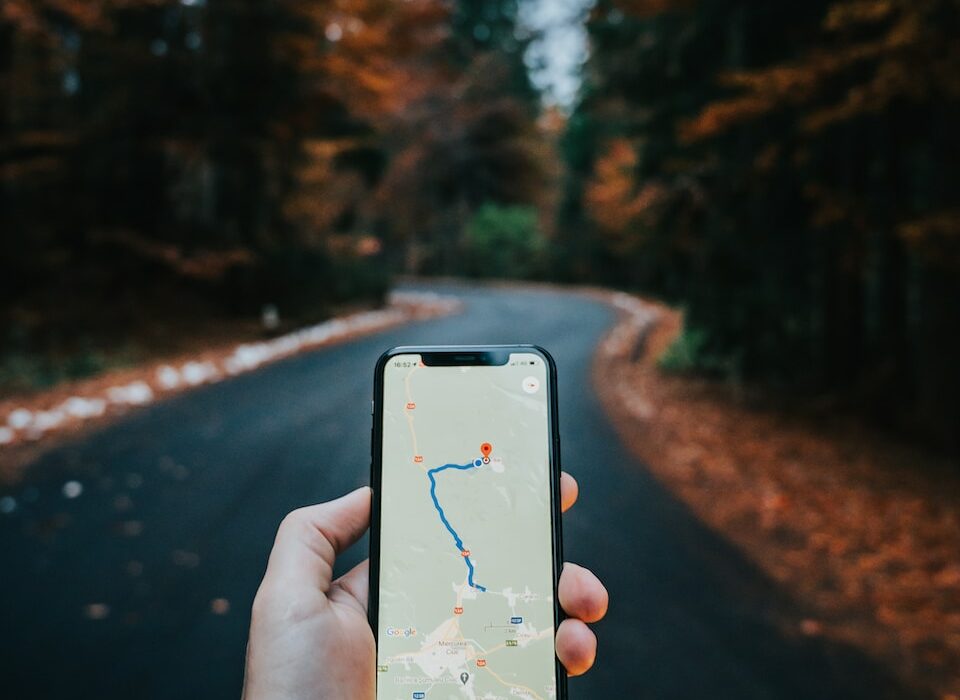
<point x="466" y="561"/>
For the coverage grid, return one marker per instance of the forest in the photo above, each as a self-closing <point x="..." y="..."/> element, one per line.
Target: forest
<point x="786" y="173"/>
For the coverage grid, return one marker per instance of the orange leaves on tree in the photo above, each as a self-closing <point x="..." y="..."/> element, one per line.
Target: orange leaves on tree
<point x="936" y="236"/>
<point x="33" y="16"/>
<point x="848" y="14"/>
<point x="610" y="193"/>
<point x="372" y="59"/>
<point x="720" y="116"/>
<point x="323" y="192"/>
<point x="615" y="202"/>
<point x="830" y="206"/>
<point x="910" y="57"/>
<point x="376" y="55"/>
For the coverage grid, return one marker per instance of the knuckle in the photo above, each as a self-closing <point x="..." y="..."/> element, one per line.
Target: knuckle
<point x="294" y="520"/>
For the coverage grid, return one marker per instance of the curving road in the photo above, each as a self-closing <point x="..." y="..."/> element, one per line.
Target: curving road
<point x="112" y="594"/>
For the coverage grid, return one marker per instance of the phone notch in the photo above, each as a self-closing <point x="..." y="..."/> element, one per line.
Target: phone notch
<point x="488" y="358"/>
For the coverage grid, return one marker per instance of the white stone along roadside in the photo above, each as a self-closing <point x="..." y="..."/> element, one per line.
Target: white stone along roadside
<point x="32" y="424"/>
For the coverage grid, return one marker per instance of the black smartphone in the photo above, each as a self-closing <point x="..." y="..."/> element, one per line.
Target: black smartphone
<point x="465" y="544"/>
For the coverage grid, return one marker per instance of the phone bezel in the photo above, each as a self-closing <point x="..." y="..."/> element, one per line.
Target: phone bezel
<point x="482" y="354"/>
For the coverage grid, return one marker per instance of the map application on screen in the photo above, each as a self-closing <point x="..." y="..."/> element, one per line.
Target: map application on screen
<point x="466" y="605"/>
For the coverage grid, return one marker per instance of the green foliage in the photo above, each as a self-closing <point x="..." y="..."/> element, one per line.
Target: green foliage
<point x="691" y="352"/>
<point x="504" y="241"/>
<point x="684" y="353"/>
<point x="25" y="371"/>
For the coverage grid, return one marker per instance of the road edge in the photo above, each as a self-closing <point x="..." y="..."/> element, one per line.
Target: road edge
<point x="36" y="423"/>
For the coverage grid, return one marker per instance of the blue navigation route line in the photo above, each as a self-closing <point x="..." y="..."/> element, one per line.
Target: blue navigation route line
<point x="443" y="518"/>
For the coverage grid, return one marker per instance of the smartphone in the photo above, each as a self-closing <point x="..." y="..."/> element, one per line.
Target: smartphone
<point x="465" y="542"/>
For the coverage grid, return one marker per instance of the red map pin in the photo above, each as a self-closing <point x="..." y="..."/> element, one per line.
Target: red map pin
<point x="485" y="449"/>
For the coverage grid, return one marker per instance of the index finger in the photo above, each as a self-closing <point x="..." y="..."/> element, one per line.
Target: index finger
<point x="569" y="490"/>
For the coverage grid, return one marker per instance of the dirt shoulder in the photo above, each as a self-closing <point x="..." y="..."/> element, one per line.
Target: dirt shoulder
<point x="863" y="531"/>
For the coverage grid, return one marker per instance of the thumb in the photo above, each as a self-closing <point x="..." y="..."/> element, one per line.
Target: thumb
<point x="310" y="538"/>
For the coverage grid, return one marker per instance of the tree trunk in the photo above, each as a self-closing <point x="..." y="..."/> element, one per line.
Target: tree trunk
<point x="843" y="319"/>
<point x="938" y="357"/>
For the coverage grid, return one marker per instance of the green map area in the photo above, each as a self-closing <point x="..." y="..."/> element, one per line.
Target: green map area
<point x="466" y="589"/>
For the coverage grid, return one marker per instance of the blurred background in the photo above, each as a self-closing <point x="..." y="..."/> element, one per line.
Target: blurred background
<point x="777" y="182"/>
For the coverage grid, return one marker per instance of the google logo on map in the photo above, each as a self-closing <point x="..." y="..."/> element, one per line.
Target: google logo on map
<point x="401" y="631"/>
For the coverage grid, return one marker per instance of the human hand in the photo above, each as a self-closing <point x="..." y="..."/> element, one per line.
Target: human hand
<point x="309" y="634"/>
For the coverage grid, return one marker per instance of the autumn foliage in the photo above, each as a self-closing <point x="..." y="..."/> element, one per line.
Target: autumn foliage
<point x="185" y="157"/>
<point x="789" y="174"/>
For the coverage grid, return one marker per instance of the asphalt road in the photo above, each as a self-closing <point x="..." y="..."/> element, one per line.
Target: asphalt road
<point x="180" y="502"/>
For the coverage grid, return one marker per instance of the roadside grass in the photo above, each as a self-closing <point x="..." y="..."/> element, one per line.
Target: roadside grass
<point x="24" y="372"/>
<point x="34" y="421"/>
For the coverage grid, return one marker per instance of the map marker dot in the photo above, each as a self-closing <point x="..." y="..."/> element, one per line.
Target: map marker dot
<point x="464" y="677"/>
<point x="485" y="449"/>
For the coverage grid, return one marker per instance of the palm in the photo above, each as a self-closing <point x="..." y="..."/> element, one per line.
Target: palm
<point x="309" y="635"/>
<point x="334" y="629"/>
